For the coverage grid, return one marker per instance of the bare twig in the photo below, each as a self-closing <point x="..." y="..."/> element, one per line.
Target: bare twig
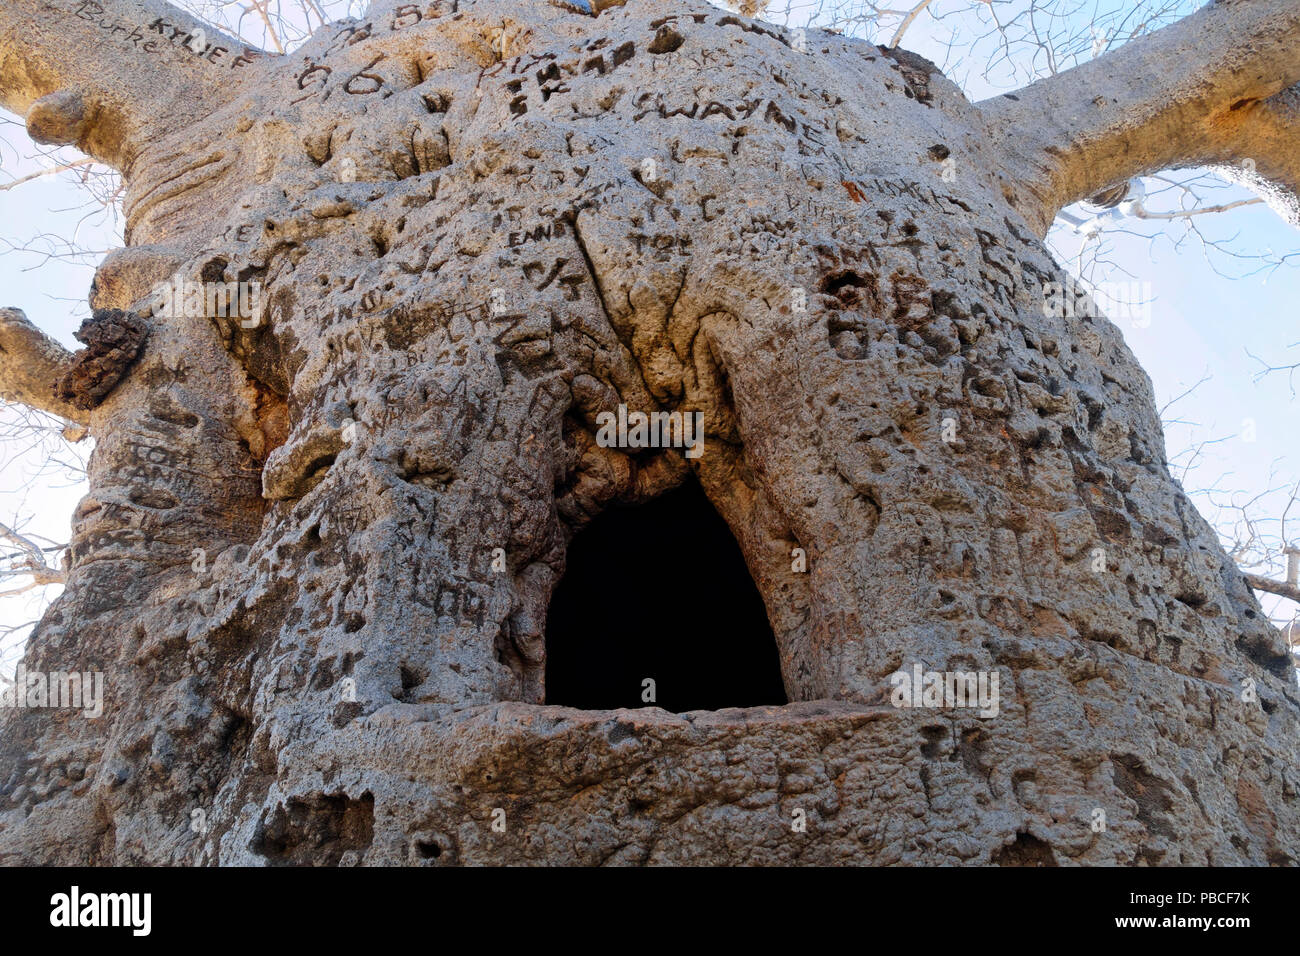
<point x="30" y="561"/>
<point x="1140" y="211"/>
<point x="46" y="172"/>
<point x="908" y="19"/>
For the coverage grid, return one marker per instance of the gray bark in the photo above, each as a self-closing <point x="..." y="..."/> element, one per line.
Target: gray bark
<point x="477" y="226"/>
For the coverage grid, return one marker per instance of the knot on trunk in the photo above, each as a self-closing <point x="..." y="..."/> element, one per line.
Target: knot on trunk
<point x="59" y="118"/>
<point x="113" y="340"/>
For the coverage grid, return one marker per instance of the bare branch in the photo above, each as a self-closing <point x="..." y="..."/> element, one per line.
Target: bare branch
<point x="32" y="562"/>
<point x="53" y="170"/>
<point x="1265" y="139"/>
<point x="1163" y="100"/>
<point x="1280" y="588"/>
<point x="106" y="74"/>
<point x="260" y="7"/>
<point x="30" y="364"/>
<point x="1179" y="397"/>
<point x="1140" y="211"/>
<point x="911" y="15"/>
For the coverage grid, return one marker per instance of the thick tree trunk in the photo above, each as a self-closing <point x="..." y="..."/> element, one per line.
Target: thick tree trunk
<point x="477" y="226"/>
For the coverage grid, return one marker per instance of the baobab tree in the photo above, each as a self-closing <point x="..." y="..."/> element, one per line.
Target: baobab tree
<point x="354" y="382"/>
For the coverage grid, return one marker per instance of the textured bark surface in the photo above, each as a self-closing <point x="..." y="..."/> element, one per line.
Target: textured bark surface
<point x="113" y="340"/>
<point x="477" y="226"/>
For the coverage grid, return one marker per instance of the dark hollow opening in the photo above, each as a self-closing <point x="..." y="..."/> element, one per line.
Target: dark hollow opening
<point x="660" y="591"/>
